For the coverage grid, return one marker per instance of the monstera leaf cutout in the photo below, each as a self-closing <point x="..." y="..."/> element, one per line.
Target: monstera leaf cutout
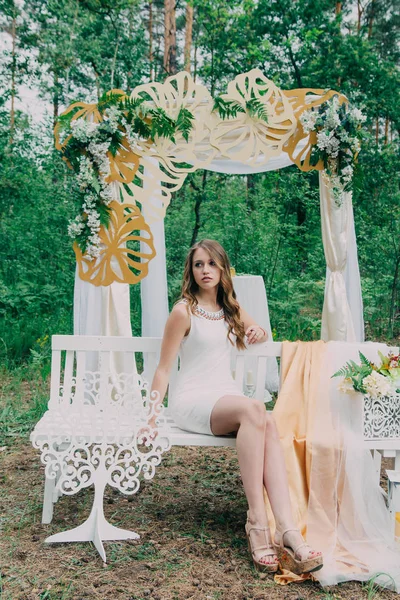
<point x="124" y="164"/>
<point x="121" y="257"/>
<point x="299" y="145"/>
<point x="247" y="137"/>
<point x="179" y="91"/>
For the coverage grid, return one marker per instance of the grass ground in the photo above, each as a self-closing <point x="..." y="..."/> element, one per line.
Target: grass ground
<point x="190" y="518"/>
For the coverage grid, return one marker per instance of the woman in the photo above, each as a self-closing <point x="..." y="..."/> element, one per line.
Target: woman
<point x="203" y="326"/>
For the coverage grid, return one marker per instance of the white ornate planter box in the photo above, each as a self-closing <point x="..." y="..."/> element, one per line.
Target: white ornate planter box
<point x="381" y="419"/>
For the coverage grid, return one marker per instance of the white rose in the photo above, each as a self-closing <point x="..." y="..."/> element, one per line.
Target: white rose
<point x="377" y="385"/>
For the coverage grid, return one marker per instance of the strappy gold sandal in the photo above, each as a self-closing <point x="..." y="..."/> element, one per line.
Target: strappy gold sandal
<point x="261" y="551"/>
<point x="288" y="559"/>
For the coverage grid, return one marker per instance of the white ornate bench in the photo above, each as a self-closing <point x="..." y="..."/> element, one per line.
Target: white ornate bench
<point x="89" y="434"/>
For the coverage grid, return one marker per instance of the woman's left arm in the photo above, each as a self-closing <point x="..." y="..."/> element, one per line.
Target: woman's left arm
<point x="254" y="332"/>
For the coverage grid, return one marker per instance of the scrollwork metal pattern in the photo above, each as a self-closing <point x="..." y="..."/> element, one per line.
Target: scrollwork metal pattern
<point x="83" y="439"/>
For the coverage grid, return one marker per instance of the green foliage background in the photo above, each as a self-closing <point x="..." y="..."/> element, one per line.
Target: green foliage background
<point x="269" y="223"/>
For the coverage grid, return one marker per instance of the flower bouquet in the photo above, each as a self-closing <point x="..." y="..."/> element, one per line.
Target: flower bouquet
<point x="369" y="379"/>
<point x="338" y="133"/>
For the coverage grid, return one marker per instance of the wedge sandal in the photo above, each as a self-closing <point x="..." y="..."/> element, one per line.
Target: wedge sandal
<point x="289" y="558"/>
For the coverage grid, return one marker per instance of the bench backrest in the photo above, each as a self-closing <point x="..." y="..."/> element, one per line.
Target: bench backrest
<point x="119" y="361"/>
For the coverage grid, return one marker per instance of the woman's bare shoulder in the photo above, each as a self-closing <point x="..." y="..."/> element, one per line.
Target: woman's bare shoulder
<point x="180" y="310"/>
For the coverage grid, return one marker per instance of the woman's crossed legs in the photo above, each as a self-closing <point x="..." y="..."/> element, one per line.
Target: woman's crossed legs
<point x="261" y="463"/>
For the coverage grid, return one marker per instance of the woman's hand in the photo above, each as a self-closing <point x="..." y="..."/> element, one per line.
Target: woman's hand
<point x="255" y="334"/>
<point x="149" y="435"/>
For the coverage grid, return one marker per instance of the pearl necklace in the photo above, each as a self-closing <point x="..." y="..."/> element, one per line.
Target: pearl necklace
<point x="207" y="314"/>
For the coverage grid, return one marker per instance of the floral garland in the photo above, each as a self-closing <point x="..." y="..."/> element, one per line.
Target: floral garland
<point x="370" y="379"/>
<point x="338" y="135"/>
<point x="89" y="147"/>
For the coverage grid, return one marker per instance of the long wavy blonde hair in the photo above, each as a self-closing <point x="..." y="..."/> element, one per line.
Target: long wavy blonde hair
<point x="226" y="295"/>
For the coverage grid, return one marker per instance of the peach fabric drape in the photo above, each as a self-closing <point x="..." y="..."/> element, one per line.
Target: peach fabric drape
<point x="336" y="500"/>
<point x="293" y="413"/>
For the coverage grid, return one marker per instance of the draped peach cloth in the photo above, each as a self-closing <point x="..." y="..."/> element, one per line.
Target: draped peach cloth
<point x="336" y="500"/>
<point x="293" y="413"/>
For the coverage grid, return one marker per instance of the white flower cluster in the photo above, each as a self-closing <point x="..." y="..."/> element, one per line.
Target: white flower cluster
<point x="107" y="193"/>
<point x="357" y="115"/>
<point x="76" y="226"/>
<point x="377" y="385"/>
<point x="132" y="137"/>
<point x="346" y="386"/>
<point x="326" y="140"/>
<point x="333" y="139"/>
<point x="99" y="153"/>
<point x="86" y="173"/>
<point x="93" y="223"/>
<point x="113" y="117"/>
<point x="93" y="172"/>
<point x="307" y="119"/>
<point x="83" y="130"/>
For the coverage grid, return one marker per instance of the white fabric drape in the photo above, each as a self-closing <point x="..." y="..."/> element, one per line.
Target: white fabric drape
<point x="352" y="278"/>
<point x="154" y="288"/>
<point x="337" y="320"/>
<point x="102" y="310"/>
<point x="347" y="516"/>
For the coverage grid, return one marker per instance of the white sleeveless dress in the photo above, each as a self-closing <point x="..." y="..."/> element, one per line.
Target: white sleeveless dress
<point x="205" y="374"/>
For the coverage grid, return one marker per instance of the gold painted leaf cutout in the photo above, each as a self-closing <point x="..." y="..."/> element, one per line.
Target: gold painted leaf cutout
<point x="124" y="164"/>
<point x="121" y="258"/>
<point x="300" y="144"/>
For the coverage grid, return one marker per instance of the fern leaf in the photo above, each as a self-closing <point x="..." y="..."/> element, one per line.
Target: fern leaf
<point x="256" y="108"/>
<point x="227" y="108"/>
<point x="184" y="122"/>
<point x="364" y="360"/>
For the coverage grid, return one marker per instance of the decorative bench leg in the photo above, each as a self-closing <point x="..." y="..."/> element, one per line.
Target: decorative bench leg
<point x="48" y="500"/>
<point x="50" y="497"/>
<point x="96" y="528"/>
<point x="377" y="457"/>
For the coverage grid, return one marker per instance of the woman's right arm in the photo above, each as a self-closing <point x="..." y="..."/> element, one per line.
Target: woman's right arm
<point x="176" y="326"/>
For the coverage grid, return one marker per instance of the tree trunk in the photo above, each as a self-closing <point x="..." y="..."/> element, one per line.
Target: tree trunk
<point x="371" y="19"/>
<point x="377" y="130"/>
<point x="13" y="75"/>
<point x="114" y="62"/>
<point x="200" y="195"/>
<point x="195" y="60"/>
<point x="169" y="37"/>
<point x="359" y="15"/>
<point x="386" y="130"/>
<point x="188" y="36"/>
<point x="250" y="189"/>
<point x="151" y="40"/>
<point x="56" y="99"/>
<point x="295" y="67"/>
<point x="167" y="28"/>
<point x="393" y="303"/>
<point x="130" y="30"/>
<point x="278" y="247"/>
<point x="338" y="8"/>
<point x="172" y="51"/>
<point x="301" y="213"/>
<point x="96" y="74"/>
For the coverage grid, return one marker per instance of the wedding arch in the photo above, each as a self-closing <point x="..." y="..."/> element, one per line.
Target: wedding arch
<point x="131" y="153"/>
